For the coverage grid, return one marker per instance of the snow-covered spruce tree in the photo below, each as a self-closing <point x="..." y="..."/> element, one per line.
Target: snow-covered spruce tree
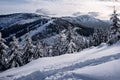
<point x="69" y="41"/>
<point x="115" y="28"/>
<point x="44" y="49"/>
<point x="115" y="22"/>
<point x="71" y="47"/>
<point x="38" y="50"/>
<point x="78" y="42"/>
<point x="99" y="36"/>
<point x="61" y="43"/>
<point x="72" y="39"/>
<point x="3" y="53"/>
<point x="50" y="51"/>
<point x="81" y="42"/>
<point x="28" y="49"/>
<point x="15" y="59"/>
<point x="96" y="37"/>
<point x="84" y="42"/>
<point x="91" y="41"/>
<point x="104" y="35"/>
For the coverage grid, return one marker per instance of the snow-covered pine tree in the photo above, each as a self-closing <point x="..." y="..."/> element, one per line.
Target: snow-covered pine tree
<point x="91" y="41"/>
<point x="71" y="47"/>
<point x="60" y="46"/>
<point x="104" y="35"/>
<point x="28" y="49"/>
<point x="100" y="36"/>
<point x="79" y="42"/>
<point x="44" y="49"/>
<point x="84" y="42"/>
<point x="115" y="22"/>
<point x="50" y="51"/>
<point x="15" y="59"/>
<point x="96" y="37"/>
<point x="38" y="50"/>
<point x="3" y="53"/>
<point x="115" y="28"/>
<point x="71" y="39"/>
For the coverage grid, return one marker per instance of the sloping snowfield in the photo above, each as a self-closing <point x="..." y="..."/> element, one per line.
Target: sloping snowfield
<point x="95" y="63"/>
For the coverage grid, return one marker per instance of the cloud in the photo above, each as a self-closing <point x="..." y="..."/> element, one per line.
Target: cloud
<point x="110" y="0"/>
<point x="61" y="7"/>
<point x="10" y="2"/>
<point x="77" y="14"/>
<point x="44" y="12"/>
<point x="93" y="14"/>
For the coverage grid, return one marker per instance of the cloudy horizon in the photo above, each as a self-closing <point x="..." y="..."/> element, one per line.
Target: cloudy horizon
<point x="100" y="8"/>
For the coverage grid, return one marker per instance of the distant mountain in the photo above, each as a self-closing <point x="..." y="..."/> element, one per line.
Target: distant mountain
<point x="16" y="24"/>
<point x="10" y="19"/>
<point x="89" y="21"/>
<point x="44" y="27"/>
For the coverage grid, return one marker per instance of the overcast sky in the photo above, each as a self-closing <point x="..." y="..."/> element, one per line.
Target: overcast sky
<point x="100" y="8"/>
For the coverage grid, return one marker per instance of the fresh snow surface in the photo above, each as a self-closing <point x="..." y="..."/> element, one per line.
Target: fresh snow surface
<point x="95" y="63"/>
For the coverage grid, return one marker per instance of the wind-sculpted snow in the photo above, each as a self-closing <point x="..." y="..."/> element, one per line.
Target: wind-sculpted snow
<point x="96" y="63"/>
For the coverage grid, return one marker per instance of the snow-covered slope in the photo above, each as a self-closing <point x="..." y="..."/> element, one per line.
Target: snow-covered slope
<point x="20" y="18"/>
<point x="95" y="63"/>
